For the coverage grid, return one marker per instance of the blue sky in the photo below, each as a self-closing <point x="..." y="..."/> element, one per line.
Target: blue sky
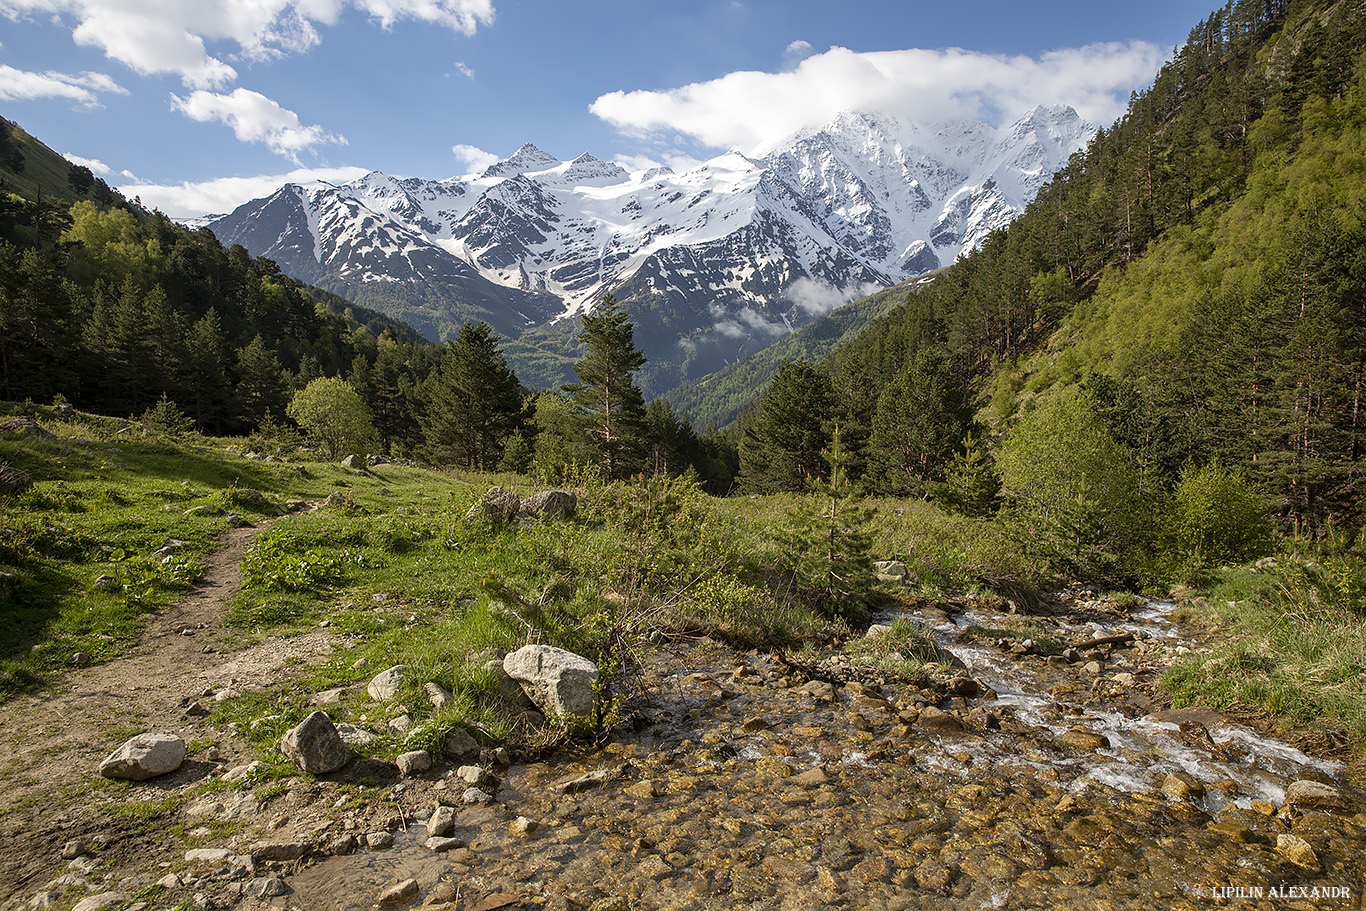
<point x="199" y="105"/>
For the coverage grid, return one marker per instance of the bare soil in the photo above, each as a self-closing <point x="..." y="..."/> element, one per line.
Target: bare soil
<point x="52" y="743"/>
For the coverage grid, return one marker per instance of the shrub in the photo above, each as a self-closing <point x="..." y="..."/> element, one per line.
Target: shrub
<point x="1214" y="516"/>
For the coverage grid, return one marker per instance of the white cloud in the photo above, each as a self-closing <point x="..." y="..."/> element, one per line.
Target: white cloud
<point x="94" y="164"/>
<point x="255" y="118"/>
<point x="474" y="159"/>
<point x="744" y="110"/>
<point x="817" y="298"/>
<point x="799" y="47"/>
<point x="464" y="70"/>
<point x="172" y="36"/>
<point x="81" y="88"/>
<point x="188" y="200"/>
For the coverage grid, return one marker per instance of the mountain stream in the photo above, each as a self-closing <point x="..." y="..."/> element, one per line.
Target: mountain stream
<point x="1023" y="781"/>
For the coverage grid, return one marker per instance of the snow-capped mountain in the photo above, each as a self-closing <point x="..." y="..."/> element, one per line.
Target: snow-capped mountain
<point x="712" y="262"/>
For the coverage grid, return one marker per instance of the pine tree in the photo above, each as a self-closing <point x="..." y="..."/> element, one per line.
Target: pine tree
<point x="473" y="401"/>
<point x="920" y="419"/>
<point x="606" y="391"/>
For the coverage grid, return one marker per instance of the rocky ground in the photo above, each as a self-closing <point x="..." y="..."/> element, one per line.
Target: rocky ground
<point x="743" y="781"/>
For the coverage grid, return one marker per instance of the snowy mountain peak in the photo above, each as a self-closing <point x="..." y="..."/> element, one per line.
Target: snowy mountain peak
<point x="586" y="170"/>
<point x="730" y="253"/>
<point x="526" y="159"/>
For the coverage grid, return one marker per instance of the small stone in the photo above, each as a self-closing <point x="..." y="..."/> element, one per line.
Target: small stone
<point x="398" y="892"/>
<point x="757" y="723"/>
<point x="938" y="719"/>
<point x="145" y="756"/>
<point x="345" y="844"/>
<point x="102" y="901"/>
<point x="72" y="850"/>
<point x="524" y="826"/>
<point x="267" y="887"/>
<point x="460" y="744"/>
<point x="267" y="851"/>
<point x="1262" y="808"/>
<point x="315" y="745"/>
<point x="385" y="684"/>
<point x="474" y="796"/>
<point x="1298" y="851"/>
<point x="379" y="840"/>
<point x="438" y="695"/>
<point x="440" y="844"/>
<point x="413" y="763"/>
<point x="642" y="790"/>
<point x="442" y="822"/>
<point x="1314" y="795"/>
<point x="1182" y="786"/>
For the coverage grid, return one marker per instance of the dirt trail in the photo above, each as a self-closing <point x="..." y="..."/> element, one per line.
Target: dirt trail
<point x="51" y="743"/>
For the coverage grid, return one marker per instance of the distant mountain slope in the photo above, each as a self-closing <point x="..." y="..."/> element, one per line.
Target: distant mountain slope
<point x="713" y="263"/>
<point x="719" y="397"/>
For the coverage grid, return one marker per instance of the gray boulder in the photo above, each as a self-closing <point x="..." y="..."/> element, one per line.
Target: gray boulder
<point x="551" y="504"/>
<point x="145" y="756"/>
<point x="385" y="684"/>
<point x="315" y="746"/>
<point x="559" y="682"/>
<point x="497" y="506"/>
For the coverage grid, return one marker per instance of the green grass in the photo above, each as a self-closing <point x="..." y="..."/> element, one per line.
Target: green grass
<point x="906" y="650"/>
<point x="1287" y="649"/>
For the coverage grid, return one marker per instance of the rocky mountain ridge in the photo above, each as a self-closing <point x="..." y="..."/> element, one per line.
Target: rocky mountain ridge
<point x="715" y="261"/>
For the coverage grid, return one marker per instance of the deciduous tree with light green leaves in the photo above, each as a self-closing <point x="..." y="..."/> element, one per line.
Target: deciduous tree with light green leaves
<point x="1074" y="491"/>
<point x="333" y="414"/>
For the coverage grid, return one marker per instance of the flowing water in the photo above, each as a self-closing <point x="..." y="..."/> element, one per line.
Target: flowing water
<point x="747" y="785"/>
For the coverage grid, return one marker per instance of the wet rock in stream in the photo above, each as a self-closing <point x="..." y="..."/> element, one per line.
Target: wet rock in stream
<point x="758" y="782"/>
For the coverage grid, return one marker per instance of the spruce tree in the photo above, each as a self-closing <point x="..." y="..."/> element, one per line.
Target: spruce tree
<point x="781" y="448"/>
<point x="473" y="401"/>
<point x="606" y="392"/>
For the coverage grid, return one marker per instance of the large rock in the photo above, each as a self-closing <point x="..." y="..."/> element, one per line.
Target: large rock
<point x="315" y="746"/>
<point x="145" y="756"/>
<point x="551" y="504"/>
<point x="1313" y="795"/>
<point x="385" y="684"/>
<point x="497" y="506"/>
<point x="559" y="682"/>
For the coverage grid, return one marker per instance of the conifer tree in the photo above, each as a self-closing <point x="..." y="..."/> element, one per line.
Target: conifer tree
<point x="473" y="401"/>
<point x="606" y="392"/>
<point x="781" y="448"/>
<point x="829" y="538"/>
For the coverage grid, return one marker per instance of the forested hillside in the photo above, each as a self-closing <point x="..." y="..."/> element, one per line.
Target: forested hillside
<point x="1196" y="276"/>
<point x="122" y="312"/>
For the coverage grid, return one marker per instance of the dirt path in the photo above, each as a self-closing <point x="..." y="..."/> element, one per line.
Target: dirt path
<point x="51" y="743"/>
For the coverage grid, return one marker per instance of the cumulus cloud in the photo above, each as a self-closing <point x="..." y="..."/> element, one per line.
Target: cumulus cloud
<point x="255" y="118"/>
<point x="94" y="164"/>
<point x="474" y="159"/>
<point x="745" y="110"/>
<point x="464" y="70"/>
<point x="173" y="36"/>
<point x="189" y="200"/>
<point x="81" y="88"/>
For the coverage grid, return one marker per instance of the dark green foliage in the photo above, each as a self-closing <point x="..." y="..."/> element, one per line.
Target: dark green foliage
<point x="971" y="485"/>
<point x="782" y="444"/>
<point x="473" y="402"/>
<point x="828" y="539"/>
<point x="606" y="392"/>
<point x="920" y="419"/>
